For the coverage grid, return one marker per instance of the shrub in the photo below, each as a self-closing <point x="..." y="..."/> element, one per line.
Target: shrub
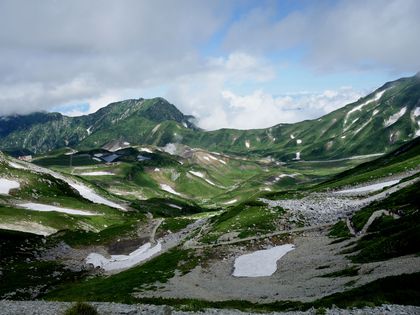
<point x="81" y="309"/>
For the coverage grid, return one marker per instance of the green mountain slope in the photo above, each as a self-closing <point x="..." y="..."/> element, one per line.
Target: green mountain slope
<point x="377" y="123"/>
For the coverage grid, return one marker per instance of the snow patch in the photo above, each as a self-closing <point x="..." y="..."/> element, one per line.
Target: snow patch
<point x="394" y="118"/>
<point x="169" y="189"/>
<point x="89" y="194"/>
<point x="230" y="202"/>
<point x="6" y="185"/>
<point x="17" y="166"/>
<point x="48" y="208"/>
<point x="375" y="112"/>
<point x="416" y="112"/>
<point x="261" y="263"/>
<point x="97" y="173"/>
<point x="89" y="130"/>
<point x="201" y="175"/>
<point x="359" y="107"/>
<point x="297" y="156"/>
<point x="292" y="136"/>
<point x="298" y="141"/>
<point x="118" y="262"/>
<point x="174" y="206"/>
<point x="363" y="126"/>
<point x="155" y="128"/>
<point x="247" y="144"/>
<point x="146" y="150"/>
<point x="369" y="188"/>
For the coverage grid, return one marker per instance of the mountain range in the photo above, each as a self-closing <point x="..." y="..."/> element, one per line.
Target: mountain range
<point x="376" y="123"/>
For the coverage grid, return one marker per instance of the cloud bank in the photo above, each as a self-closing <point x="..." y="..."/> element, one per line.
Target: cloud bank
<point x="212" y="59"/>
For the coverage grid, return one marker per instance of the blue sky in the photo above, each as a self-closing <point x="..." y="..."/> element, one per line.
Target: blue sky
<point x="241" y="64"/>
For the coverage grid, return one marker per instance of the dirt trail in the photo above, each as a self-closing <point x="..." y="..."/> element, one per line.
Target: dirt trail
<point x="153" y="234"/>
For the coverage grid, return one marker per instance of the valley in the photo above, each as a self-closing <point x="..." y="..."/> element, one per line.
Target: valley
<point x="296" y="217"/>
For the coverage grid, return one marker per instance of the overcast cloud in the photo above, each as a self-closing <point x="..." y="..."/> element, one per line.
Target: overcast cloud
<point x="211" y="61"/>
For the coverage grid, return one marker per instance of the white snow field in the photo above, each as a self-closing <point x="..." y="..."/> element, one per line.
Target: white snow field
<point x="201" y="175"/>
<point x="6" y="185"/>
<point x="48" y="208"/>
<point x="230" y="202"/>
<point x="17" y="166"/>
<point x="118" y="262"/>
<point x="394" y="118"/>
<point x="261" y="263"/>
<point x="89" y="194"/>
<point x="169" y="189"/>
<point x="369" y="188"/>
<point x="359" y="107"/>
<point x="97" y="173"/>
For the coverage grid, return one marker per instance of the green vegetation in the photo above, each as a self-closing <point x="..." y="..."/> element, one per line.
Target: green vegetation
<point x="247" y="219"/>
<point x="340" y="230"/>
<point x="402" y="289"/>
<point x="119" y="287"/>
<point x="81" y="309"/>
<point x="348" y="272"/>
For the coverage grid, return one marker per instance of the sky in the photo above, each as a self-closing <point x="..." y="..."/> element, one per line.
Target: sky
<point x="231" y="63"/>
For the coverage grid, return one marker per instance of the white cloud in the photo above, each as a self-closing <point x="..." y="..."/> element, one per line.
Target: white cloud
<point x="206" y="96"/>
<point x="352" y="35"/>
<point x="62" y="52"/>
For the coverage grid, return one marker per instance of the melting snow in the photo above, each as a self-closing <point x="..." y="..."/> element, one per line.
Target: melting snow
<point x="375" y="112"/>
<point x="261" y="263"/>
<point x="174" y="206"/>
<point x="230" y="202"/>
<point x="216" y="159"/>
<point x="343" y="137"/>
<point x="297" y="156"/>
<point x="155" y="128"/>
<point x="359" y="107"/>
<point x="89" y="194"/>
<point x="298" y="141"/>
<point x="98" y="173"/>
<point x="292" y="136"/>
<point x="201" y="175"/>
<point x="6" y="185"/>
<point x="416" y="112"/>
<point x="368" y="188"/>
<point x="247" y="144"/>
<point x="89" y="130"/>
<point x="363" y="126"/>
<point x="394" y="118"/>
<point x="18" y="166"/>
<point x="48" y="208"/>
<point x="146" y="150"/>
<point x="169" y="189"/>
<point x="117" y="262"/>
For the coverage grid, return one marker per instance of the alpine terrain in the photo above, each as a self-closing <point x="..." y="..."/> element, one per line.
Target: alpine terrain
<point x="134" y="209"/>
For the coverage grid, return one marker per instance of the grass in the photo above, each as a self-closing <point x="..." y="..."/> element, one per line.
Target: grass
<point x="348" y="272"/>
<point x="81" y="309"/>
<point x="340" y="230"/>
<point x="248" y="219"/>
<point x="174" y="224"/>
<point x="395" y="238"/>
<point x="402" y="289"/>
<point x="119" y="287"/>
<point x="22" y="273"/>
<point x="404" y="201"/>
